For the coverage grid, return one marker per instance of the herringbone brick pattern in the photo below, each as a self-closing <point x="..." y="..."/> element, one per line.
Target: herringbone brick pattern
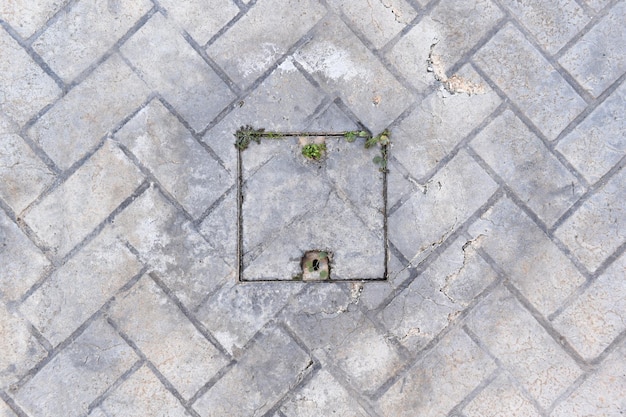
<point x="506" y="215"/>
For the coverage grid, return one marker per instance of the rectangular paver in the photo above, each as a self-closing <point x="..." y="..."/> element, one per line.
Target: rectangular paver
<point x="527" y="166"/>
<point x="167" y="338"/>
<point x="523" y="346"/>
<point x="501" y="398"/>
<point x="530" y="81"/>
<point x="76" y="123"/>
<point x="67" y="215"/>
<point x="78" y="375"/>
<point x="85" y="32"/>
<point x="80" y="287"/>
<point x="599" y="57"/>
<point x="532" y="262"/>
<point x="598" y="227"/>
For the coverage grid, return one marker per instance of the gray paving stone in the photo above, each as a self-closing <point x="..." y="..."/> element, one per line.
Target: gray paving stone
<point x="167" y="338"/>
<point x="5" y="411"/>
<point x="283" y="102"/>
<point x="427" y="218"/>
<point x="26" y="16"/>
<point x="169" y="65"/>
<point x="598" y="227"/>
<point x="530" y="81"/>
<point x="140" y="395"/>
<point x="445" y="31"/>
<point x="598" y="316"/>
<point x="438" y="295"/>
<point x="78" y="375"/>
<point x="23" y="264"/>
<point x="322" y="396"/>
<point x="435" y="384"/>
<point x="192" y="16"/>
<point x="602" y="394"/>
<point x="552" y="23"/>
<point x="597" y="4"/>
<point x="254" y="304"/>
<point x="85" y="32"/>
<point x="344" y="66"/>
<point x="172" y="247"/>
<point x="271" y="366"/>
<point x="20" y="350"/>
<point x="599" y="58"/>
<point x="439" y="123"/>
<point x="263" y="35"/>
<point x="80" y="287"/>
<point x="378" y="21"/>
<point x="528" y="167"/>
<point x="501" y="398"/>
<point x="23" y="176"/>
<point x="598" y="143"/>
<point x="26" y="91"/>
<point x="526" y="351"/>
<point x="177" y="160"/>
<point x="326" y="318"/>
<point x="67" y="215"/>
<point x="219" y="228"/>
<point x="77" y="122"/>
<point x="532" y="262"/>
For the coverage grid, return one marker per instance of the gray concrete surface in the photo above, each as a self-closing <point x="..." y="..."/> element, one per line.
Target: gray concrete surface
<point x="506" y="212"/>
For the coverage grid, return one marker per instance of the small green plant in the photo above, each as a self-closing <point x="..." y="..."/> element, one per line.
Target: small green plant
<point x="352" y="135"/>
<point x="247" y="134"/>
<point x="313" y="151"/>
<point x="381" y="139"/>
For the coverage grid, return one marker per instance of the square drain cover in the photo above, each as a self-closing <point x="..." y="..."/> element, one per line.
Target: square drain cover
<point x="311" y="213"/>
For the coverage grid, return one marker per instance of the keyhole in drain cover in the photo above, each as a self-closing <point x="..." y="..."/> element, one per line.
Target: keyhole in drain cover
<point x="316" y="265"/>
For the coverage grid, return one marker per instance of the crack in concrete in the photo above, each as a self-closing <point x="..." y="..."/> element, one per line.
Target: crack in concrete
<point x="455" y="84"/>
<point x="472" y="245"/>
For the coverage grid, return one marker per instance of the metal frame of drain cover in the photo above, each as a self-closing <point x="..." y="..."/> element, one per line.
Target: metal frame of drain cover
<point x="260" y="135"/>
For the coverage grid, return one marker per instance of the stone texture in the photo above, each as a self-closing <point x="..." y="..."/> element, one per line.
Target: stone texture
<point x="598" y="227"/>
<point x="501" y="398"/>
<point x="434" y="385"/>
<point x="161" y="56"/>
<point x="25" y="92"/>
<point x="439" y="123"/>
<point x="598" y="58"/>
<point x="201" y="26"/>
<point x="598" y="143"/>
<point x="5" y="411"/>
<point x="326" y="319"/>
<point x="341" y="64"/>
<point x="525" y="349"/>
<point x="77" y="122"/>
<point x="442" y="37"/>
<point x="553" y="22"/>
<point x="272" y="365"/>
<point x="438" y="295"/>
<point x="23" y="264"/>
<point x="323" y="395"/>
<point x="530" y="81"/>
<point x="528" y="167"/>
<point x="378" y="21"/>
<point x="532" y="262"/>
<point x="68" y="214"/>
<point x="140" y="395"/>
<point x="169" y="340"/>
<point x="85" y="32"/>
<point x="262" y="36"/>
<point x="20" y="349"/>
<point x="26" y="16"/>
<point x="598" y="315"/>
<point x="23" y="176"/>
<point x="80" y="287"/>
<point x="170" y="244"/>
<point x="451" y="196"/>
<point x="164" y="146"/>
<point x="602" y="394"/>
<point x="78" y="375"/>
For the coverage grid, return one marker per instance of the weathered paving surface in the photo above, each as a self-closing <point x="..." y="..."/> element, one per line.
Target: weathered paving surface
<point x="506" y="194"/>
